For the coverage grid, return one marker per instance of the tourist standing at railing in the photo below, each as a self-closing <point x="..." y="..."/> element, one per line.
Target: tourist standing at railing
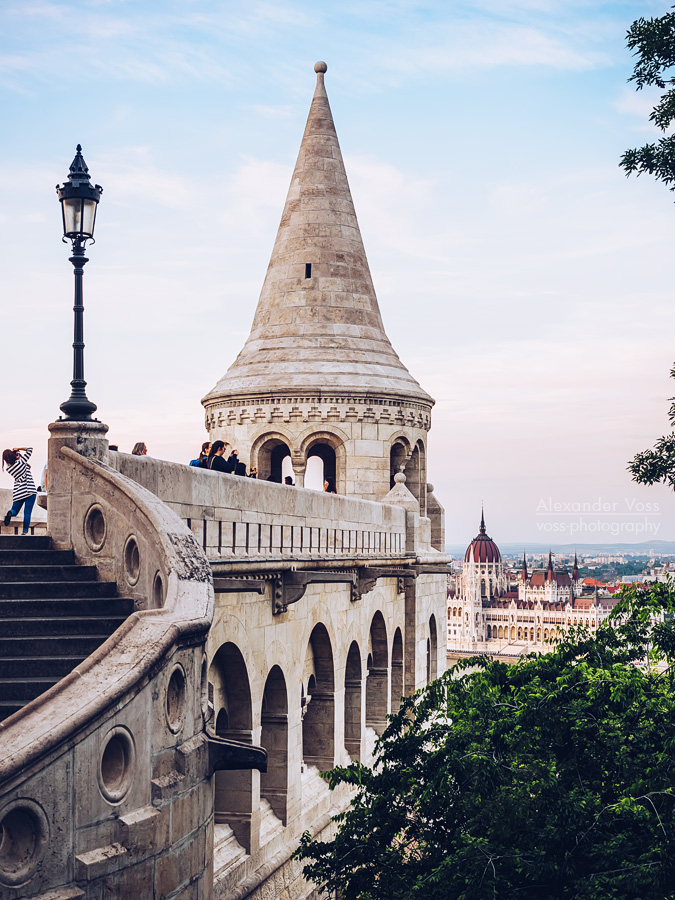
<point x="216" y="462"/>
<point x="139" y="449"/>
<point x="24" y="492"/>
<point x="232" y="461"/>
<point x="202" y="461"/>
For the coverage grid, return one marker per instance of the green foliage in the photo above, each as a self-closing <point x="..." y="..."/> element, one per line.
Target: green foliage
<point x="653" y="42"/>
<point x="658" y="464"/>
<point x="551" y="778"/>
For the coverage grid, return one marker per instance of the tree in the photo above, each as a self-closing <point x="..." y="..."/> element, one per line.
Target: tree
<point x="653" y="41"/>
<point x="551" y="778"/>
<point x="657" y="464"/>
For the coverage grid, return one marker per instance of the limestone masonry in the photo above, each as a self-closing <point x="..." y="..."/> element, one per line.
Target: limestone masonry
<point x="186" y="650"/>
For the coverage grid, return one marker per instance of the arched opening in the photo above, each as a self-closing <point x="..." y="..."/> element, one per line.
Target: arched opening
<point x="287" y="470"/>
<point x="433" y="649"/>
<point x="532" y="634"/>
<point x="353" y="682"/>
<point x="377" y="681"/>
<point x="538" y="634"/>
<point x="483" y="589"/>
<point x="396" y="670"/>
<point x="327" y="471"/>
<point x="513" y="632"/>
<point x="269" y="458"/>
<point x="415" y="476"/>
<point x="236" y="796"/>
<point x="500" y="632"/>
<point x="318" y="723"/>
<point x="314" y="474"/>
<point x="520" y="634"/>
<point x="489" y="632"/>
<point x="397" y="458"/>
<point x="274" y="738"/>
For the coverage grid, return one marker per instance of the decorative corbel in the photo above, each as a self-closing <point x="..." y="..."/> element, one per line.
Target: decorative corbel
<point x="289" y="587"/>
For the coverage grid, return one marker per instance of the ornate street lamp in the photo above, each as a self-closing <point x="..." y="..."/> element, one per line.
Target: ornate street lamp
<point x="79" y="199"/>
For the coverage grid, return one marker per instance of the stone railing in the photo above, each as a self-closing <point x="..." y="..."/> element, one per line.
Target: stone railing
<point x="235" y="517"/>
<point x="91" y="770"/>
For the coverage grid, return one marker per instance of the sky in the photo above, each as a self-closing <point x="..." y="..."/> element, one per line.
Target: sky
<point x="523" y="280"/>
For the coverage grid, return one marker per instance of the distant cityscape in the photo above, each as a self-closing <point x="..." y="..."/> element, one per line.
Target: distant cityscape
<point x="510" y="601"/>
<point x="606" y="572"/>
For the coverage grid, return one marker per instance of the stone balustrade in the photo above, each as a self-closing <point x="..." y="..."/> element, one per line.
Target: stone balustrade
<point x="96" y="773"/>
<point x="236" y="517"/>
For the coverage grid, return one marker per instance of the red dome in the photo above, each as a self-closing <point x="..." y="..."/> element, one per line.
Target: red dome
<point x="482" y="548"/>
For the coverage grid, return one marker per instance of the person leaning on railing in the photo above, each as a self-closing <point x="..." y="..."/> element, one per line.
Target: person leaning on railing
<point x="24" y="492"/>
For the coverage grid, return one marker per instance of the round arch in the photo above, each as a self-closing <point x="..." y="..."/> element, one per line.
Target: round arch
<point x="433" y="649"/>
<point x="274" y="738"/>
<point x="268" y="452"/>
<point x="399" y="454"/>
<point x="353" y="694"/>
<point x="377" y="680"/>
<point x="230" y="693"/>
<point x="318" y="688"/>
<point x="329" y="447"/>
<point x="396" y="670"/>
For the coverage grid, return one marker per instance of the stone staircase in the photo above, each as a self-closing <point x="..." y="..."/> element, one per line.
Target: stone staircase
<point x="53" y="614"/>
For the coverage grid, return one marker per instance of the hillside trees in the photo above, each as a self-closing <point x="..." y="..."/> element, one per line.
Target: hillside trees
<point x="658" y="464"/>
<point x="551" y="778"/>
<point x="653" y="41"/>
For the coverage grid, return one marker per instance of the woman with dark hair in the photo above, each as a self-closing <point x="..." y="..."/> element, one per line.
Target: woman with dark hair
<point x="139" y="449"/>
<point x="216" y="462"/>
<point x="202" y="461"/>
<point x="24" y="492"/>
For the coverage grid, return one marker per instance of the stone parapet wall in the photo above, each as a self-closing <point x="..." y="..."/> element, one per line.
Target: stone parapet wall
<point x="240" y="517"/>
<point x="105" y="779"/>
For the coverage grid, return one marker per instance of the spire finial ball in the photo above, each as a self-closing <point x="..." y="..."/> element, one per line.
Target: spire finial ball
<point x="320" y="67"/>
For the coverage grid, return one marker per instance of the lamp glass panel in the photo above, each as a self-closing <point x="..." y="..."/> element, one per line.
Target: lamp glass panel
<point x="72" y="215"/>
<point x="88" y="216"/>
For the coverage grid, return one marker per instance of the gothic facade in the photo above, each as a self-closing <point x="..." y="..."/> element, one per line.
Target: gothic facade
<point x="487" y="614"/>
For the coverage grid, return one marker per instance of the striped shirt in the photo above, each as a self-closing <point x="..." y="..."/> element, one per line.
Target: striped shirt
<point x="24" y="486"/>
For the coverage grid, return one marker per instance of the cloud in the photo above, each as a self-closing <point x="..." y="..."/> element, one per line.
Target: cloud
<point x="466" y="45"/>
<point x="272" y="112"/>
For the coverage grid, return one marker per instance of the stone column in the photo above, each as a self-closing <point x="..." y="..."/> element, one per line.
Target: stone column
<point x="87" y="438"/>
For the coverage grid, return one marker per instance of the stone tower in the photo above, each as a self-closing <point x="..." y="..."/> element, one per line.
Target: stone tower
<point x="317" y="375"/>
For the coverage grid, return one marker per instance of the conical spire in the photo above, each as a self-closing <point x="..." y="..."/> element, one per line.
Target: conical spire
<point x="549" y="572"/>
<point x="575" y="570"/>
<point x="482" y="521"/>
<point x="524" y="571"/>
<point x="317" y="326"/>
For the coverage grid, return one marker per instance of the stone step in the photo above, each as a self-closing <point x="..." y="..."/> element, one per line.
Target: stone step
<point x="270" y="824"/>
<point x="30" y="590"/>
<point x="69" y="626"/>
<point x="227" y="851"/>
<point x="64" y="645"/>
<point x="45" y="607"/>
<point x="46" y="666"/>
<point x="25" y="542"/>
<point x="48" y="573"/>
<point x="25" y="690"/>
<point x="17" y="557"/>
<point x="9" y="707"/>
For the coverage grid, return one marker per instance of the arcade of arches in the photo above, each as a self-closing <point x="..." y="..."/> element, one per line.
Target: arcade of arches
<point x="341" y="705"/>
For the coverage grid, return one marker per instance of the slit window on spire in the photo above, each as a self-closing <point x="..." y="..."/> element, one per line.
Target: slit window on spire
<point x="308" y="270"/>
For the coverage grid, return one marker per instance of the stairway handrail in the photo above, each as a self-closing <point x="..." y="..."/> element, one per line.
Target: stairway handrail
<point x="131" y="652"/>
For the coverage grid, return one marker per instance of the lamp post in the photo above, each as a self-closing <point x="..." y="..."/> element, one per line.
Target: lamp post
<point x="79" y="199"/>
